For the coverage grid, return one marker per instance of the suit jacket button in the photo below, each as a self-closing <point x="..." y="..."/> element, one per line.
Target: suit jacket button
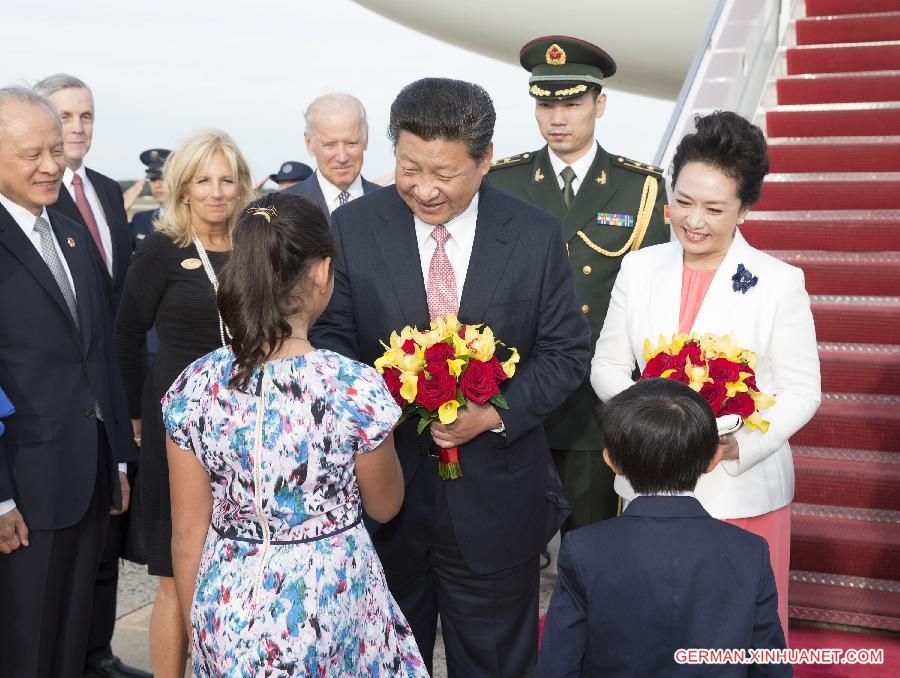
<point x="585" y="308"/>
<point x="89" y="413"/>
<point x="586" y="270"/>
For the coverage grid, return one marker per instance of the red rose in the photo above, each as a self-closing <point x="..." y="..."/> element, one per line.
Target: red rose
<point x="740" y="403"/>
<point x="409" y="347"/>
<point x="438" y="354"/>
<point x="691" y="351"/>
<point x="392" y="379"/>
<point x="659" y="364"/>
<point x="477" y="382"/>
<point x="715" y="394"/>
<point x="436" y="387"/>
<point x="751" y="380"/>
<point x="724" y="370"/>
<point x="499" y="374"/>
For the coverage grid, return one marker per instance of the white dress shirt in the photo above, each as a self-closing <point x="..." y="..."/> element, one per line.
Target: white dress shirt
<point x="96" y="208"/>
<point x="458" y="246"/>
<point x="581" y="166"/>
<point x="26" y="221"/>
<point x="333" y="194"/>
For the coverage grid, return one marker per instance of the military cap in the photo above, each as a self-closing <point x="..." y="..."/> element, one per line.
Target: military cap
<point x="291" y="171"/>
<point x="563" y="67"/>
<point x="154" y="159"/>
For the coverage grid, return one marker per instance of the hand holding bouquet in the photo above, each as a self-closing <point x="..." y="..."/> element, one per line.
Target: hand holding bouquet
<point x="716" y="368"/>
<point x="432" y="373"/>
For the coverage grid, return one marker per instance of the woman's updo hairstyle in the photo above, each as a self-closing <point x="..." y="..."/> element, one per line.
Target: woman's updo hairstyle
<point x="275" y="242"/>
<point x="732" y="145"/>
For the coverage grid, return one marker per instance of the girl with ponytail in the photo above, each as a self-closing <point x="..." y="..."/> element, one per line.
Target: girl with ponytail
<point x="275" y="448"/>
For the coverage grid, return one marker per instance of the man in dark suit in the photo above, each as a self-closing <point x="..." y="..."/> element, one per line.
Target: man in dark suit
<point x="88" y="197"/>
<point x="337" y="135"/>
<point x="95" y="201"/>
<point x="59" y="456"/>
<point x="665" y="575"/>
<point x="609" y="205"/>
<point x="438" y="241"/>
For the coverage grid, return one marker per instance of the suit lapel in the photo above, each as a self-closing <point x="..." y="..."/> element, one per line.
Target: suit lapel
<point x="660" y="316"/>
<point x="721" y="301"/>
<point x="67" y="207"/>
<point x="543" y="188"/>
<point x="395" y="240"/>
<point x="65" y="236"/>
<point x="594" y="192"/>
<point x="18" y="244"/>
<point x="490" y="253"/>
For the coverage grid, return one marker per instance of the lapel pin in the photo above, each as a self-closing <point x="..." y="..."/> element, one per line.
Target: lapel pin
<point x="538" y="175"/>
<point x="71" y="242"/>
<point x="191" y="264"/>
<point x="602" y="178"/>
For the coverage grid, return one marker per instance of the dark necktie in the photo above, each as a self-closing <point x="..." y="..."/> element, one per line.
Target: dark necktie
<point x="343" y="197"/>
<point x="568" y="190"/>
<point x="48" y="252"/>
<point x="87" y="214"/>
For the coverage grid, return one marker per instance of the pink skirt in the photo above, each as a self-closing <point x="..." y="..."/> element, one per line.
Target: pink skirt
<point x="775" y="528"/>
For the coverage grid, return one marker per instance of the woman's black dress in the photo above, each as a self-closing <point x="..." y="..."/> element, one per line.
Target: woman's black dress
<point x="167" y="287"/>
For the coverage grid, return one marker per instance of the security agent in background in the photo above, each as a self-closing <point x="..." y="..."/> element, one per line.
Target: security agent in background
<point x="609" y="205"/>
<point x="142" y="222"/>
<point x="290" y="173"/>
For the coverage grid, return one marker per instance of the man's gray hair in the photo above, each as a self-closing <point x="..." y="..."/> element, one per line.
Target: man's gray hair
<point x="54" y="83"/>
<point x="336" y="101"/>
<point x="23" y="95"/>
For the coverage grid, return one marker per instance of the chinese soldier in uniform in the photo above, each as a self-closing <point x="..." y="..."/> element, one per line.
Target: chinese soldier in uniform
<point x="608" y="205"/>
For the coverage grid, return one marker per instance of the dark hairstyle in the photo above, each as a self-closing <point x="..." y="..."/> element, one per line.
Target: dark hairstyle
<point x="660" y="434"/>
<point x="732" y="145"/>
<point x="271" y="253"/>
<point x="441" y="108"/>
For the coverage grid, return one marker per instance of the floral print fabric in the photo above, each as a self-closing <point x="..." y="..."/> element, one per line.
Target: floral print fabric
<point x="313" y="601"/>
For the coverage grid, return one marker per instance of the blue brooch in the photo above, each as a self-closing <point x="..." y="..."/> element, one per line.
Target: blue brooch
<point x="743" y="280"/>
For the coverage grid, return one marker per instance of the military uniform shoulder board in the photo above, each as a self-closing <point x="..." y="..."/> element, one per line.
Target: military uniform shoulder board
<point x="512" y="161"/>
<point x="627" y="163"/>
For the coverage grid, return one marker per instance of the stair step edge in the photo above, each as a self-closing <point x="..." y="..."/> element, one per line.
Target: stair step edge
<point x="845" y="581"/>
<point x="844" y="454"/>
<point x="846" y="513"/>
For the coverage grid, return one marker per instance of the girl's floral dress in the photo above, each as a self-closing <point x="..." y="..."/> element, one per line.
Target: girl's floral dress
<point x="289" y="583"/>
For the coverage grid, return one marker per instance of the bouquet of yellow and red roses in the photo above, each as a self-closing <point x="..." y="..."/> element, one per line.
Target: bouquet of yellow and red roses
<point x="716" y="368"/>
<point x="432" y="373"/>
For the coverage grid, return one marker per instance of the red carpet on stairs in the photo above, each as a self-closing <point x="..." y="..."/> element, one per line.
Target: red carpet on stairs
<point x="832" y="208"/>
<point x="813" y="637"/>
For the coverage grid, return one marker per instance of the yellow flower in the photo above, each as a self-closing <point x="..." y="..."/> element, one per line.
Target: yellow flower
<point x="762" y="400"/>
<point x="459" y="345"/>
<point x="409" y="385"/>
<point x="447" y="412"/>
<point x="412" y="362"/>
<point x="697" y="375"/>
<point x="509" y="367"/>
<point x="483" y="345"/>
<point x="755" y="420"/>
<point x="455" y="366"/>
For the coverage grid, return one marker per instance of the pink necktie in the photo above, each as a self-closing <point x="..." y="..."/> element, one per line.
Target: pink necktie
<point x="441" y="291"/>
<point x="87" y="214"/>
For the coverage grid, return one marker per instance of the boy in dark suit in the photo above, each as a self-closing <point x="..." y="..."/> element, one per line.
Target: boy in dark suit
<point x="664" y="575"/>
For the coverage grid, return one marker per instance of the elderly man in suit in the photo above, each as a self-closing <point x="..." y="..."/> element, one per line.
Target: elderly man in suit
<point x="665" y="575"/>
<point x="95" y="201"/>
<point x="337" y="135"/>
<point x="59" y="456"/>
<point x="437" y="241"/>
<point x="88" y="197"/>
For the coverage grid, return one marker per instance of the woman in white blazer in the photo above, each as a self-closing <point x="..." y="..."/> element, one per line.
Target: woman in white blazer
<point x="711" y="280"/>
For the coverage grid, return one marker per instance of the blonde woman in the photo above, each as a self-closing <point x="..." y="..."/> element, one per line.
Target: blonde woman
<point x="172" y="284"/>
